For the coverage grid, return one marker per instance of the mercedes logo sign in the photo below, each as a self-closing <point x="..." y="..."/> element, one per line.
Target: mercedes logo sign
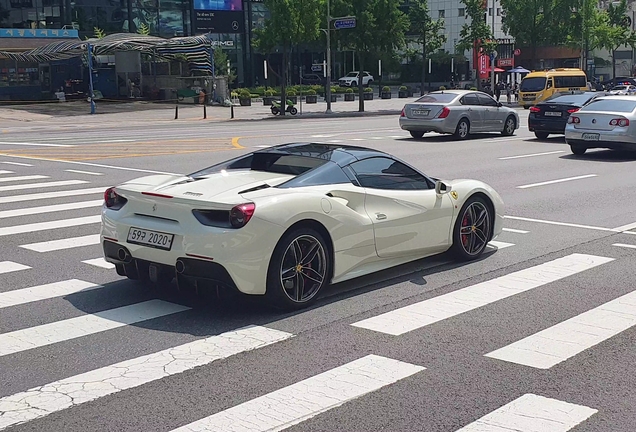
<point x="235" y="25"/>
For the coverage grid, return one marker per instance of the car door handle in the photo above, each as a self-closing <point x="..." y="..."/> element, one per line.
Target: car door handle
<point x="380" y="216"/>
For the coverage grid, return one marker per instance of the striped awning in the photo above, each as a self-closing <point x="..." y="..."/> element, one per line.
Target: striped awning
<point x="195" y="49"/>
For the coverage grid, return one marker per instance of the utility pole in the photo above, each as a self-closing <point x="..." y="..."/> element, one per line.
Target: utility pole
<point x="492" y="55"/>
<point x="328" y="83"/>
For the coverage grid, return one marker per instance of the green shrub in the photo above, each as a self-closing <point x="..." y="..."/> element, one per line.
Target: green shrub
<point x="386" y="89"/>
<point x="473" y="88"/>
<point x="355" y="89"/>
<point x="442" y="88"/>
<point x="349" y="90"/>
<point x="403" y="88"/>
<point x="245" y="94"/>
<point x="368" y="90"/>
<point x="234" y="95"/>
<point x="291" y="92"/>
<point x="269" y="93"/>
<point x="311" y="92"/>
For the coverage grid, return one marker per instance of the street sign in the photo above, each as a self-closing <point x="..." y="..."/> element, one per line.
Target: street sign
<point x="316" y="67"/>
<point x="345" y="23"/>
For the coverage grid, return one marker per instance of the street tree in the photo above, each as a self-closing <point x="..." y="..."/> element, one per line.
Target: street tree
<point x="380" y="30"/>
<point x="428" y="32"/>
<point x="476" y="34"/>
<point x="613" y="30"/>
<point x="291" y="22"/>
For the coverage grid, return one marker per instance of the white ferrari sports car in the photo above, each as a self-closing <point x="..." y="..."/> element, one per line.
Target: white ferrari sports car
<point x="285" y="221"/>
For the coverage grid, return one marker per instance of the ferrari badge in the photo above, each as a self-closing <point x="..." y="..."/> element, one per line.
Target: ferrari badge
<point x="454" y="194"/>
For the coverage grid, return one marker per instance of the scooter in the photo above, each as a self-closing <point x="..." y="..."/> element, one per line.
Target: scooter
<point x="275" y="108"/>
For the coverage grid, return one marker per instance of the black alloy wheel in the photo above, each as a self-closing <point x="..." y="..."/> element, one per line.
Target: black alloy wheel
<point x="473" y="229"/>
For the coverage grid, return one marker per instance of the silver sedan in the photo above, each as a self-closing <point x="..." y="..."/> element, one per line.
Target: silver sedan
<point x="607" y="122"/>
<point x="457" y="112"/>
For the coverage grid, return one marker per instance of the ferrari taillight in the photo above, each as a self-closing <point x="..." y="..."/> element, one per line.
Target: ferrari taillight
<point x="241" y="214"/>
<point x="112" y="200"/>
<point x="445" y="112"/>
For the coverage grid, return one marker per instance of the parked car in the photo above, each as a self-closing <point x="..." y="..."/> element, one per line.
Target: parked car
<point x="313" y="79"/>
<point x="457" y="112"/>
<point x="623" y="89"/>
<point x="551" y="116"/>
<point x="352" y="79"/>
<point x="607" y="122"/>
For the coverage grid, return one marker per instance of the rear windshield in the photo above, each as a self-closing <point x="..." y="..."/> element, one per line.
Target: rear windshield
<point x="611" y="105"/>
<point x="437" y="97"/>
<point x="532" y="84"/>
<point x="570" y="99"/>
<point x="267" y="162"/>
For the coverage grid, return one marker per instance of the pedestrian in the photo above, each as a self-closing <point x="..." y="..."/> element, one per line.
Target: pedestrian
<point x="508" y="94"/>
<point x="497" y="91"/>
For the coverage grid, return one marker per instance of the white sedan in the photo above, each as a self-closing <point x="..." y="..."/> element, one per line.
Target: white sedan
<point x="285" y="221"/>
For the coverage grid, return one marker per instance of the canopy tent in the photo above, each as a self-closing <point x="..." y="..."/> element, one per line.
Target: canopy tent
<point x="196" y="49"/>
<point x="519" y="69"/>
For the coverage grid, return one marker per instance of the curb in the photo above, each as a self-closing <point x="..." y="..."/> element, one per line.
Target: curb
<point x="318" y="115"/>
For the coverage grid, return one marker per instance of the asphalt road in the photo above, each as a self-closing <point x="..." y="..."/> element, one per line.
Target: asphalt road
<point x="358" y="361"/>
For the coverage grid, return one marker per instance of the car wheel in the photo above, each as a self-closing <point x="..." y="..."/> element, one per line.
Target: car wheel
<point x="577" y="149"/>
<point x="463" y="129"/>
<point x="299" y="269"/>
<point x="509" y="126"/>
<point x="417" y="134"/>
<point x="541" y="135"/>
<point x="472" y="229"/>
<point x="353" y="83"/>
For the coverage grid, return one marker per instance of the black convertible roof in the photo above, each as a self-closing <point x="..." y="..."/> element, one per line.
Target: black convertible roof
<point x="340" y="154"/>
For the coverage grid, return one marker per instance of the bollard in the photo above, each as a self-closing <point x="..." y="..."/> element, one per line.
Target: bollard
<point x="232" y="111"/>
<point x="205" y="112"/>
<point x="176" y="110"/>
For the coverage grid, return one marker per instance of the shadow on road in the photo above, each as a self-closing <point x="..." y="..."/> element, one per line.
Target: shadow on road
<point x="604" y="156"/>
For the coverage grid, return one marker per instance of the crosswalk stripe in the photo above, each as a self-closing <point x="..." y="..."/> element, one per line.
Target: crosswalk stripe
<point x="17" y="164"/>
<point x="629" y="246"/>
<point x="22" y="178"/>
<point x="499" y="244"/>
<point x="42" y="226"/>
<point x="562" y="341"/>
<point x="59" y="395"/>
<point x="50" y="209"/>
<point x="43" y="292"/>
<point x="67" y="243"/>
<point x="59" y="331"/>
<point x="47" y="195"/>
<point x="10" y="266"/>
<point x="100" y="262"/>
<point x="84" y="172"/>
<point x="6" y="172"/>
<point x="532" y="413"/>
<point x="446" y="306"/>
<point x="306" y="399"/>
<point x="516" y="231"/>
<point x="41" y="185"/>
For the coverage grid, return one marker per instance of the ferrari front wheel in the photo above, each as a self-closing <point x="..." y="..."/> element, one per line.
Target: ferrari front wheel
<point x="298" y="270"/>
<point x="472" y="229"/>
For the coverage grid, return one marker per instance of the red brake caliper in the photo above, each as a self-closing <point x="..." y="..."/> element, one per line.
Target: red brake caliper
<point x="464" y="225"/>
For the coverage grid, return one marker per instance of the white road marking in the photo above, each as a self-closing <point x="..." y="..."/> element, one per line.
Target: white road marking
<point x="10" y="266"/>
<point x="42" y="226"/>
<point x="50" y="209"/>
<point x="89" y="164"/>
<point x="516" y="231"/>
<point x="41" y="185"/>
<point x="630" y="246"/>
<point x="427" y="312"/>
<point x="303" y="400"/>
<point x="84" y="172"/>
<point x="22" y="178"/>
<point x="43" y="292"/>
<point x="334" y="141"/>
<point x="59" y="331"/>
<point x="323" y="136"/>
<point x="532" y="413"/>
<point x="626" y="227"/>
<point x="67" y="243"/>
<point x="377" y="138"/>
<point x="499" y="244"/>
<point x="100" y="262"/>
<point x="556" y="181"/>
<point x="17" y="163"/>
<point x="562" y="341"/>
<point x="6" y="172"/>
<point x="35" y="144"/>
<point x="397" y="136"/>
<point x="531" y="155"/>
<point x="59" y="395"/>
<point x="263" y="146"/>
<point x="47" y="195"/>
<point x="561" y="223"/>
<point x="358" y="139"/>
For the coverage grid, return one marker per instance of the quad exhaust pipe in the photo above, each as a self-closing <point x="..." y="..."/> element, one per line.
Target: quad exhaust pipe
<point x="180" y="266"/>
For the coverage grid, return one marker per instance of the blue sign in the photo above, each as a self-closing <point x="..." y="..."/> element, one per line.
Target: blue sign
<point x="39" y="33"/>
<point x="492" y="58"/>
<point x="345" y="23"/>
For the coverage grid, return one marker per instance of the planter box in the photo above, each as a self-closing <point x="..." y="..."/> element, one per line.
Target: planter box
<point x="267" y="100"/>
<point x="349" y="97"/>
<point x="334" y="97"/>
<point x="386" y="95"/>
<point x="403" y="94"/>
<point x="368" y="96"/>
<point x="311" y="99"/>
<point x="245" y="102"/>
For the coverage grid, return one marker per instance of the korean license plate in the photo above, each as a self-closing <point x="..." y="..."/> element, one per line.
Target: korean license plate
<point x="420" y="112"/>
<point x="590" y="136"/>
<point x="150" y="238"/>
<point x="552" y="114"/>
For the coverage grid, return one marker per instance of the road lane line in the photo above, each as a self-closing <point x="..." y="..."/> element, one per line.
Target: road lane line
<point x="305" y="399"/>
<point x="562" y="341"/>
<point x="60" y="331"/>
<point x="17" y="164"/>
<point x="499" y="244"/>
<point x="84" y="172"/>
<point x="35" y="144"/>
<point x="41" y="185"/>
<point x="50" y="208"/>
<point x="629" y="246"/>
<point x="516" y="231"/>
<point x="10" y="266"/>
<point x="59" y="395"/>
<point x="47" y="195"/>
<point x="531" y="155"/>
<point x="556" y="181"/>
<point x="22" y="178"/>
<point x="626" y="227"/>
<point x="88" y="164"/>
<point x="6" y="172"/>
<point x="560" y="223"/>
<point x="43" y="226"/>
<point x="532" y="413"/>
<point x="67" y="243"/>
<point x="100" y="262"/>
<point x="427" y="312"/>
<point x="44" y="292"/>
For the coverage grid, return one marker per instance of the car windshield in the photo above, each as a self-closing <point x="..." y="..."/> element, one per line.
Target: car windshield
<point x="619" y="88"/>
<point x="437" y="98"/>
<point x="352" y="74"/>
<point x="267" y="162"/>
<point x="532" y="84"/>
<point x="611" y="105"/>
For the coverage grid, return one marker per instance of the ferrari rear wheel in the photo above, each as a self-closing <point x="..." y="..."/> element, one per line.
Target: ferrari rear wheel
<point x="473" y="229"/>
<point x="298" y="270"/>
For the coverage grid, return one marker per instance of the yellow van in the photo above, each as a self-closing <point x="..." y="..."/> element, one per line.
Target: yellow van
<point x="540" y="85"/>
